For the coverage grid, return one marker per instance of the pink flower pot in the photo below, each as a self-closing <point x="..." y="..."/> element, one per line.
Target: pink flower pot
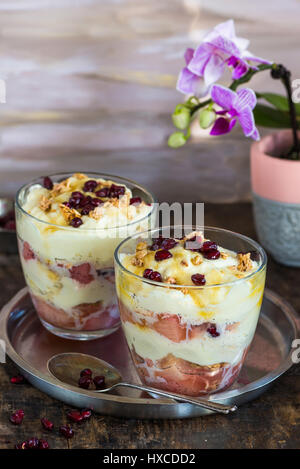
<point x="276" y="197"/>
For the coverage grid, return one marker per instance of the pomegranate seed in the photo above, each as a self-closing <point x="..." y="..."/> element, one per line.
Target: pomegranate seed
<point x="66" y="431"/>
<point x="116" y="191"/>
<point x="10" y="225"/>
<point x="76" y="222"/>
<point x="212" y="254"/>
<point x="99" y="382"/>
<point x="162" y="255"/>
<point x="86" y="372"/>
<point x="193" y="244"/>
<point x="32" y="443"/>
<point x="19" y="379"/>
<point x="86" y="414"/>
<point x="198" y="279"/>
<point x="75" y="416"/>
<point x="208" y="245"/>
<point x="212" y="330"/>
<point x="17" y="417"/>
<point x="104" y="192"/>
<point x="135" y="200"/>
<point x="47" y="424"/>
<point x="43" y="444"/>
<point x="47" y="183"/>
<point x="168" y="243"/>
<point x="84" y="382"/>
<point x="90" y="186"/>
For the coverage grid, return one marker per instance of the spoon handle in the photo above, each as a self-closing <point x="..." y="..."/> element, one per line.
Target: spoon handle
<point x="200" y="402"/>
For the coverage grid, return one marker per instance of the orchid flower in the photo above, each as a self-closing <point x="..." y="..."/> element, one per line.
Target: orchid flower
<point x="235" y="106"/>
<point x="205" y="65"/>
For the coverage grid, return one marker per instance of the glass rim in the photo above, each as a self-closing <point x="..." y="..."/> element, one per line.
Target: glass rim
<point x="70" y="228"/>
<point x="257" y="247"/>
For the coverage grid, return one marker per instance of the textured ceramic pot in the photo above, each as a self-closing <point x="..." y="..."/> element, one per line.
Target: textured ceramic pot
<point x="276" y="197"/>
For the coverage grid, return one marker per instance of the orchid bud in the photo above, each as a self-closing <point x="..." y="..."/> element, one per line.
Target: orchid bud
<point x="176" y="140"/>
<point x="181" y="117"/>
<point x="206" y="118"/>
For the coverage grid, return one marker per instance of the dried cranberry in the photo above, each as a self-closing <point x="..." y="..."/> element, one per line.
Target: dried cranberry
<point x="86" y="414"/>
<point x="67" y="204"/>
<point x="86" y="372"/>
<point x="212" y="330"/>
<point x="135" y="200"/>
<point x="193" y="244"/>
<point x="116" y="191"/>
<point x="156" y="243"/>
<point x="17" y="417"/>
<point x="208" y="245"/>
<point x="87" y="209"/>
<point x="162" y="255"/>
<point x="66" y="431"/>
<point x="211" y="254"/>
<point x="77" y="195"/>
<point x="198" y="279"/>
<point x="10" y="225"/>
<point x="76" y="222"/>
<point x="74" y="203"/>
<point x="96" y="202"/>
<point x="47" y="183"/>
<point x="47" y="424"/>
<point x="84" y="382"/>
<point x="99" y="382"/>
<point x="168" y="243"/>
<point x="86" y="201"/>
<point x="43" y="444"/>
<point x="90" y="186"/>
<point x="19" y="379"/>
<point x="104" y="192"/>
<point x="32" y="443"/>
<point x="75" y="416"/>
<point x="152" y="275"/>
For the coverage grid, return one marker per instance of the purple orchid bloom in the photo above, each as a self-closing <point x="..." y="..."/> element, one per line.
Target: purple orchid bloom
<point x="188" y="82"/>
<point x="235" y="106"/>
<point x="220" y="48"/>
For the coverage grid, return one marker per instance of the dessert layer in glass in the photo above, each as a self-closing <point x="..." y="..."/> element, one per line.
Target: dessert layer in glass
<point x="189" y="307"/>
<point x="68" y="227"/>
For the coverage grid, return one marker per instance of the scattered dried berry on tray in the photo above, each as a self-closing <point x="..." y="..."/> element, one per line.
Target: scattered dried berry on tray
<point x="47" y="424"/>
<point x="18" y="379"/>
<point x="66" y="431"/>
<point x="17" y="417"/>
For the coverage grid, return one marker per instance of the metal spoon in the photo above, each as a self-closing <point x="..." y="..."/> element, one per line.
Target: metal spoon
<point x="66" y="367"/>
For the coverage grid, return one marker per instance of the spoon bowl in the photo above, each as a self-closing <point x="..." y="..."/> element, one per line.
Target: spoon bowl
<point x="66" y="367"/>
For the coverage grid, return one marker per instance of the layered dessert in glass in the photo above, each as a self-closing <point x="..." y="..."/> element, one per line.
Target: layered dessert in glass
<point x="189" y="305"/>
<point x="68" y="226"/>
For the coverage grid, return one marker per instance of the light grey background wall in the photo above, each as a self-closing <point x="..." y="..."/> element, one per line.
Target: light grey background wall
<point x="91" y="85"/>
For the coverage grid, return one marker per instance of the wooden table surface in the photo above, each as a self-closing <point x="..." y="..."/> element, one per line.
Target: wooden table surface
<point x="271" y="421"/>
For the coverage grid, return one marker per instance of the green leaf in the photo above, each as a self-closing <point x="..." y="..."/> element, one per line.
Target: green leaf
<point x="279" y="101"/>
<point x="177" y="139"/>
<point x="270" y="117"/>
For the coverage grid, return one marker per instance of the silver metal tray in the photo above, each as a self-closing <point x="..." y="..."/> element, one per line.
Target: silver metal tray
<point x="30" y="346"/>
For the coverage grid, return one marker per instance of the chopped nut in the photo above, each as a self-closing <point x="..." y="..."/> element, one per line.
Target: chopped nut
<point x="141" y="254"/>
<point x="137" y="262"/>
<point x="96" y="214"/>
<point x="184" y="291"/>
<point x="192" y="234"/>
<point x="79" y="176"/>
<point x="45" y="203"/>
<point x="171" y="280"/>
<point x="223" y="255"/>
<point x="141" y="246"/>
<point x="245" y="263"/>
<point x="197" y="260"/>
<point x="68" y="213"/>
<point x="184" y="263"/>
